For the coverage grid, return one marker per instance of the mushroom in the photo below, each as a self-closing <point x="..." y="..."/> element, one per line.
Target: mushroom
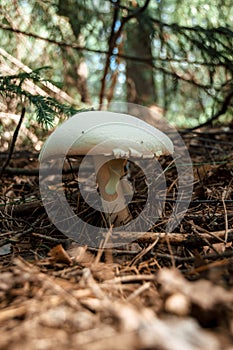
<point x="110" y="138"/>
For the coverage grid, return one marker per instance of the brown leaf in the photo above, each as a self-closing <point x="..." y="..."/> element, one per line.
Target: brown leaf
<point x="59" y="255"/>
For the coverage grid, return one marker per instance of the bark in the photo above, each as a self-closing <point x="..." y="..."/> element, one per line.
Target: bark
<point x="140" y="82"/>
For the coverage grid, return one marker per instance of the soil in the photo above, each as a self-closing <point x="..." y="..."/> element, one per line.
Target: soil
<point x="164" y="291"/>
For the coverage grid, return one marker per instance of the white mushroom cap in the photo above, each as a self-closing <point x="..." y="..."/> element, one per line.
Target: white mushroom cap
<point x="116" y="134"/>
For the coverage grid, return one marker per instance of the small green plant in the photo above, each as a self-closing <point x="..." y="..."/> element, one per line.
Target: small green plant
<point x="45" y="107"/>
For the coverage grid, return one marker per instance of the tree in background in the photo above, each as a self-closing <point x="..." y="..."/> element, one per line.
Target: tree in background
<point x="139" y="77"/>
<point x="172" y="53"/>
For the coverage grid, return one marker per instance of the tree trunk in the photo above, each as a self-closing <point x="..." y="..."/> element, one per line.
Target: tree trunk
<point x="140" y="82"/>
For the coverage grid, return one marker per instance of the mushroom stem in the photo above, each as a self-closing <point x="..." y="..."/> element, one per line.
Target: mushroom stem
<point x="109" y="173"/>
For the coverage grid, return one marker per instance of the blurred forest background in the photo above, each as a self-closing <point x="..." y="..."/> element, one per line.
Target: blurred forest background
<point x="57" y="57"/>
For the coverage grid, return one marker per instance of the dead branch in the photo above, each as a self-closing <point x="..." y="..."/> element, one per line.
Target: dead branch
<point x="14" y="138"/>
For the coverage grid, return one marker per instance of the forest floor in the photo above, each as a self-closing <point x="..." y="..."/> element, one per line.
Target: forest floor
<point x="165" y="291"/>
